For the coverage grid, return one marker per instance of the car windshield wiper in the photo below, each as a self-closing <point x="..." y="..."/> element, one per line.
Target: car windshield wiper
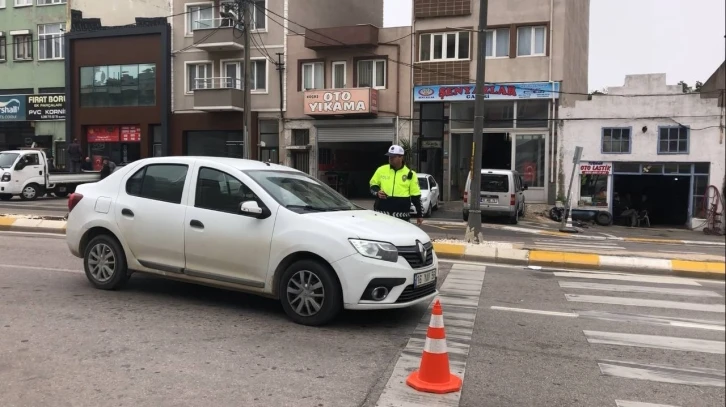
<point x="307" y="207"/>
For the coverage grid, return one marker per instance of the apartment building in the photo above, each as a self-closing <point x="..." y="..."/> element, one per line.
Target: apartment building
<point x="208" y="54"/>
<point x="349" y="99"/>
<point x="537" y="60"/>
<point x="33" y="62"/>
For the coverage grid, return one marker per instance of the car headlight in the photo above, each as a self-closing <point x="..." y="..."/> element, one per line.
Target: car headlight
<point x="6" y="177"/>
<point x="376" y="250"/>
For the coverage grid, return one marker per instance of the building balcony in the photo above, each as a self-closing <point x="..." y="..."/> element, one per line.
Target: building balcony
<point x="219" y="95"/>
<point x="217" y="35"/>
<point x="363" y="36"/>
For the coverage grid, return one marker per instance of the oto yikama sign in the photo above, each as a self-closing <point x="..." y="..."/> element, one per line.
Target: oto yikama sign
<point x="341" y="101"/>
<point x="596" y="168"/>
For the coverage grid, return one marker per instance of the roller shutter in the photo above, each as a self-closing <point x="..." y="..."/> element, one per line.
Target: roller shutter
<point x="355" y="134"/>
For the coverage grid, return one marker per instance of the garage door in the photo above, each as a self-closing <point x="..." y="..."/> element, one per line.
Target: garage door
<point x="355" y="134"/>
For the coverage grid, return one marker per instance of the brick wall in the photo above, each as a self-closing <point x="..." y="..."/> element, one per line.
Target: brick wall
<point x="441" y="8"/>
<point x="441" y="73"/>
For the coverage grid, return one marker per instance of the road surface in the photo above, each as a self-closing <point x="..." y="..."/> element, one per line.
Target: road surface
<point x="520" y="337"/>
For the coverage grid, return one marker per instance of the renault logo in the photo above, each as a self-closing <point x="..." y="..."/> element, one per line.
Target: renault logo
<point x="421" y="251"/>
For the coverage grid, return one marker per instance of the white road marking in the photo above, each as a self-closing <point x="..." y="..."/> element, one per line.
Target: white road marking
<point x="656" y="342"/>
<point x="628" y="277"/>
<point x="712" y="327"/>
<point x="626" y="403"/>
<point x="459" y="321"/>
<point x="638" y="289"/>
<point x="637" y="302"/>
<point x="17" y="266"/>
<point x="536" y="311"/>
<point x="662" y="373"/>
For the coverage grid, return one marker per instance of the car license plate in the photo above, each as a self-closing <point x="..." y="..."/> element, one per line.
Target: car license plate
<point x="490" y="200"/>
<point x="427" y="277"/>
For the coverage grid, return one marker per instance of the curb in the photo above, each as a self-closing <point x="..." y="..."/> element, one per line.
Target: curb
<point x="37" y="225"/>
<point x="503" y="255"/>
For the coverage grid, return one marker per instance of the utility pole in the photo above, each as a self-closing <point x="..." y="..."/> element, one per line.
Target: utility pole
<point x="473" y="229"/>
<point x="247" y="8"/>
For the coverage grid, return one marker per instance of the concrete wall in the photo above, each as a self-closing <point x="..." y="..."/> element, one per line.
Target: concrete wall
<point x="706" y="143"/>
<point x="333" y="13"/>
<point x="121" y="12"/>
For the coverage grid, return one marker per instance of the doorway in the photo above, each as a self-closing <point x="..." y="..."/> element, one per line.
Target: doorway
<point x="665" y="197"/>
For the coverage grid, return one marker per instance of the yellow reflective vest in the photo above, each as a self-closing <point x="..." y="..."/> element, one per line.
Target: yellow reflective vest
<point x="402" y="189"/>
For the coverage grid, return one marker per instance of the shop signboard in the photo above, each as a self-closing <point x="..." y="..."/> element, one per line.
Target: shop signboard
<point x="596" y="168"/>
<point x="50" y="106"/>
<point x="130" y="134"/>
<point x="12" y="108"/>
<point x="494" y="91"/>
<point x="340" y="102"/>
<point x="102" y="134"/>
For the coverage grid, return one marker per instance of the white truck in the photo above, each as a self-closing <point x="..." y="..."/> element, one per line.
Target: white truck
<point x="25" y="173"/>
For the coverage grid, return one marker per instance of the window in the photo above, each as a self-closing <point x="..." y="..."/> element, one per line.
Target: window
<point x="530" y="158"/>
<point x="673" y="140"/>
<point x="259" y="75"/>
<point x="339" y="75"/>
<point x="50" y="41"/>
<point x="160" y="182"/>
<point x="213" y="143"/>
<point x="3" y="47"/>
<point x="219" y="191"/>
<point x="233" y="75"/>
<point x="118" y="85"/>
<point x="300" y="137"/>
<point x="270" y="135"/>
<point x="21" y="3"/>
<point x="531" y="41"/>
<point x="313" y="75"/>
<point x="444" y="46"/>
<point x="199" y="16"/>
<point x="2" y="3"/>
<point x="23" y="47"/>
<point x="199" y="76"/>
<point x="498" y="43"/>
<point x="423" y="183"/>
<point x="616" y="140"/>
<point x="593" y="190"/>
<point x="372" y="74"/>
<point x="258" y="15"/>
<point x="49" y="2"/>
<point x="532" y="113"/>
<point x="32" y="159"/>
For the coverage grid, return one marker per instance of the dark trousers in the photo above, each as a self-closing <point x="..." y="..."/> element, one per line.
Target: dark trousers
<point x="75" y="166"/>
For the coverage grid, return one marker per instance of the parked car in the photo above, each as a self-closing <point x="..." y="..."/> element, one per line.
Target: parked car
<point x="429" y="194"/>
<point x="25" y="173"/>
<point x="502" y="194"/>
<point x="249" y="226"/>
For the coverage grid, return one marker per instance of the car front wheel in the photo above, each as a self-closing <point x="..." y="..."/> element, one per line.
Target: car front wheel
<point x="105" y="263"/>
<point x="310" y="293"/>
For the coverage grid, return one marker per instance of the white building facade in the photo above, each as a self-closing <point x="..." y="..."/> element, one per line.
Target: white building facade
<point x="646" y="145"/>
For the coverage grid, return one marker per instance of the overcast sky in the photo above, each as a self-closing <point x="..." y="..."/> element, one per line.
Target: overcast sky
<point x="682" y="38"/>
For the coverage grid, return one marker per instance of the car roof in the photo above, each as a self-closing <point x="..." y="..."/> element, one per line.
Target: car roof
<point x="238" y="163"/>
<point x="423" y="174"/>
<point x="498" y="172"/>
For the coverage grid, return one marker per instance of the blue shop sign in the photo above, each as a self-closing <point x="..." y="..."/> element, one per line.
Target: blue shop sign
<point x="497" y="91"/>
<point x="12" y="108"/>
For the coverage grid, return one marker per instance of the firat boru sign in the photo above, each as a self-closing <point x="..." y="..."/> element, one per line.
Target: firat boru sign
<point x="341" y="102"/>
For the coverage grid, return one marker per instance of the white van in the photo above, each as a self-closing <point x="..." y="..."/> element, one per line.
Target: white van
<point x="502" y="194"/>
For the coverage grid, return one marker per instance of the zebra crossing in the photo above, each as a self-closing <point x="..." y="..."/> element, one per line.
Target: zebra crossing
<point x="634" y="302"/>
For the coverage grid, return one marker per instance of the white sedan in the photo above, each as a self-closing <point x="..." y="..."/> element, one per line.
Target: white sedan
<point x="249" y="226"/>
<point x="429" y="194"/>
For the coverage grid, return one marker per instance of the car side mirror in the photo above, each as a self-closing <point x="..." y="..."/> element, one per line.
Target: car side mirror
<point x="525" y="187"/>
<point x="253" y="210"/>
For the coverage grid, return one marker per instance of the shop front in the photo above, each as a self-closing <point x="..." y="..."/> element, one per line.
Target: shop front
<point x="517" y="133"/>
<point x="671" y="193"/>
<point x="120" y="144"/>
<point x="350" y="140"/>
<point x="33" y="118"/>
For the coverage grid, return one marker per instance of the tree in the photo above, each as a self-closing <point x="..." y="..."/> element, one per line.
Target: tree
<point x="688" y="89"/>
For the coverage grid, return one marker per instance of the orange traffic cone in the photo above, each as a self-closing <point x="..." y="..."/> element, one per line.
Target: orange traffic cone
<point x="433" y="375"/>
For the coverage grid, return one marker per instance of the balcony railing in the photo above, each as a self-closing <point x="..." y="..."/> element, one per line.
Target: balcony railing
<point x="217" y="34"/>
<point x="218" y="94"/>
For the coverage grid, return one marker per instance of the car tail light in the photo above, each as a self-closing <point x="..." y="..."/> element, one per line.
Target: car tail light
<point x="512" y="199"/>
<point x="73" y="201"/>
<point x="466" y="197"/>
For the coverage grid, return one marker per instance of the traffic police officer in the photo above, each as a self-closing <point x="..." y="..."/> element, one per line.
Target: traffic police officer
<point x="395" y="186"/>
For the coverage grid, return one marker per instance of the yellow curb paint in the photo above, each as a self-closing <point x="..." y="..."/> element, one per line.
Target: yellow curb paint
<point x="585" y="259"/>
<point x="646" y="240"/>
<point x="5" y="221"/>
<point x="447" y="248"/>
<point x="698" y="266"/>
<point x="556" y="234"/>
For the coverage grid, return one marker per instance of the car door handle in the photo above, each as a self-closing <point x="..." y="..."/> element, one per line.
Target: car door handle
<point x="40" y="172"/>
<point x="127" y="212"/>
<point x="196" y="224"/>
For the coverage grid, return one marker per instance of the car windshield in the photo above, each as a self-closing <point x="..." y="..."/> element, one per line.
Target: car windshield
<point x="423" y="184"/>
<point x="7" y="159"/>
<point x="301" y="192"/>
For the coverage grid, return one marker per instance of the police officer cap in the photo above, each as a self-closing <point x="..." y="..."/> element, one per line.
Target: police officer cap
<point x="395" y="150"/>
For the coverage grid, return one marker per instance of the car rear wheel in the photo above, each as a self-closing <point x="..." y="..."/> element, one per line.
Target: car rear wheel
<point x="310" y="293"/>
<point x="428" y="211"/>
<point x="514" y="219"/>
<point x="105" y="263"/>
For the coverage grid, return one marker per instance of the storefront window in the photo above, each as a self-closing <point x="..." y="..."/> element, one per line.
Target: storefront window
<point x="215" y="143"/>
<point x="700" y="182"/>
<point x="270" y="135"/>
<point x="530" y="157"/>
<point x="499" y="115"/>
<point x="532" y="113"/>
<point x="593" y="190"/>
<point x="462" y="115"/>
<point x="432" y="120"/>
<point x="118" y="85"/>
